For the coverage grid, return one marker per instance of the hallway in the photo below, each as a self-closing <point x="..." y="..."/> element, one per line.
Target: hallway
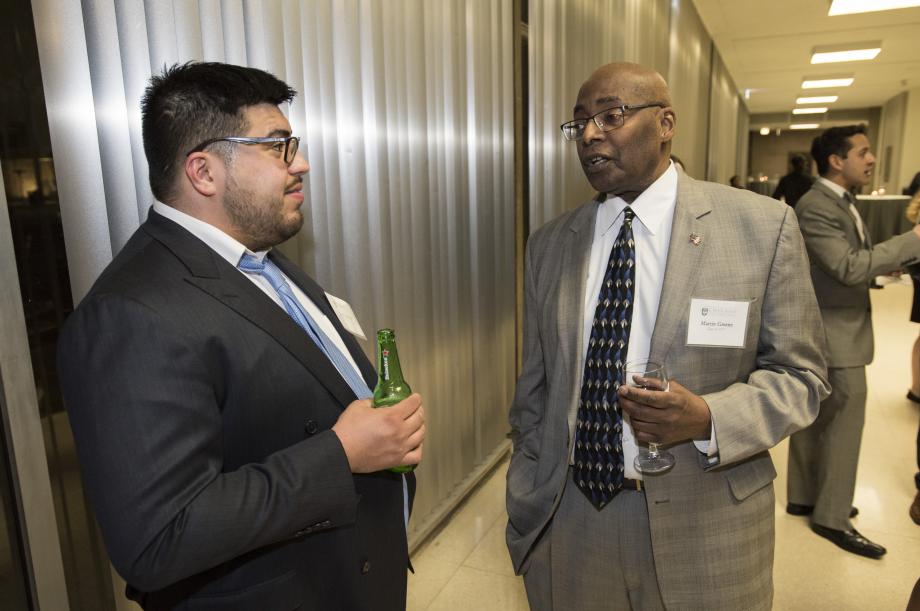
<point x="466" y="564"/>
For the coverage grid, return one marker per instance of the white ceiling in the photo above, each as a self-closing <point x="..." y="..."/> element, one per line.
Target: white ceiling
<point x="767" y="46"/>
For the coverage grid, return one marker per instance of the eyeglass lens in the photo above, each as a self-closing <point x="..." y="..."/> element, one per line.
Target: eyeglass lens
<point x="290" y="149"/>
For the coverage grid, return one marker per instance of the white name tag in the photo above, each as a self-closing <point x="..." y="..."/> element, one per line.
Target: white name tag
<point x="714" y="322"/>
<point x="346" y="315"/>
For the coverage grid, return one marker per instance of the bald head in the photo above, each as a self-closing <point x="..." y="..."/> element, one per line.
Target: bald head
<point x="643" y="84"/>
<point x="628" y="124"/>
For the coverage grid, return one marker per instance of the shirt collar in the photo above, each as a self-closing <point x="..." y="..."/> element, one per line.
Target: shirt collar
<point x="840" y="191"/>
<point x="221" y="243"/>
<point x="652" y="207"/>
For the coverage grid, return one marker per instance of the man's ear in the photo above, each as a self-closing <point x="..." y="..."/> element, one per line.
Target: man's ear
<point x="835" y="162"/>
<point x="667" y="123"/>
<point x="203" y="172"/>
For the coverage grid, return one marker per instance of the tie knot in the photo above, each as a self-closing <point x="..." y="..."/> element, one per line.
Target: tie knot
<point x="628" y="215"/>
<point x="250" y="263"/>
<point x="849" y="197"/>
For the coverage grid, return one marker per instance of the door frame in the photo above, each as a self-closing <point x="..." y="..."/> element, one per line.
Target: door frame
<point x="28" y="461"/>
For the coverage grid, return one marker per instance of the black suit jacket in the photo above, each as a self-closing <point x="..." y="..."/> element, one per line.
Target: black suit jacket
<point x="793" y="186"/>
<point x="202" y="417"/>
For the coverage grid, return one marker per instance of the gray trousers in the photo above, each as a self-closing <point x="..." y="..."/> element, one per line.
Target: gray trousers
<point x="589" y="560"/>
<point x="824" y="456"/>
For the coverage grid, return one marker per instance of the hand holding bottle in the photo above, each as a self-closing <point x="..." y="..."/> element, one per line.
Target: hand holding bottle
<point x="377" y="439"/>
<point x="391" y="385"/>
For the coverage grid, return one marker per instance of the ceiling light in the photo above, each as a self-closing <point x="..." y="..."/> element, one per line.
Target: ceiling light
<point x="820" y="99"/>
<point x="846" y="53"/>
<point x="805" y="126"/>
<point x="809" y="111"/>
<point x="849" y="7"/>
<point x="764" y="131"/>
<point x="827" y="82"/>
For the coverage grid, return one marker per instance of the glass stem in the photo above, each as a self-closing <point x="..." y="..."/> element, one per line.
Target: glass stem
<point x="652" y="450"/>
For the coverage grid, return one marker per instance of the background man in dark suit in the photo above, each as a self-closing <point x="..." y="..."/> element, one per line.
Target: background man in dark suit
<point x="218" y="402"/>
<point x="795" y="184"/>
<point x="823" y="457"/>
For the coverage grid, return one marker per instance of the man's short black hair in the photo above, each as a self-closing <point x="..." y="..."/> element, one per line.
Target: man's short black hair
<point x="834" y="141"/>
<point x="193" y="102"/>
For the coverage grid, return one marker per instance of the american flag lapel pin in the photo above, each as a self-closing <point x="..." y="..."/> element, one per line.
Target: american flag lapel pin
<point x="695" y="239"/>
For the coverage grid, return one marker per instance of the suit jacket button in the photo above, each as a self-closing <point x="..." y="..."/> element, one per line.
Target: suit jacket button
<point x="366" y="567"/>
<point x="311" y="427"/>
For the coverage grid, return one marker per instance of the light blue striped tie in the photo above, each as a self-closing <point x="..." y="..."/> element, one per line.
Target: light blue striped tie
<point x="270" y="272"/>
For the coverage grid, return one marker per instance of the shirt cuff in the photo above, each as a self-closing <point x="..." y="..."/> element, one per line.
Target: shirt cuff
<point x="709" y="448"/>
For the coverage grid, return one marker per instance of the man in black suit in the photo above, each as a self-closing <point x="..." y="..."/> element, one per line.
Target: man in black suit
<point x="218" y="402"/>
<point x="795" y="184"/>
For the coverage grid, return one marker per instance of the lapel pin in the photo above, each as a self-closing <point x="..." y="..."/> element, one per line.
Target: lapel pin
<point x="695" y="239"/>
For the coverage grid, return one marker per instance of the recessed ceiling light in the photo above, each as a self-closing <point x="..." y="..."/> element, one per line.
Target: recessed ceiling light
<point x="827" y="82"/>
<point x="805" y="126"/>
<point x="849" y="7"/>
<point x="819" y="99"/>
<point x="853" y="52"/>
<point x="809" y="111"/>
<point x="764" y="131"/>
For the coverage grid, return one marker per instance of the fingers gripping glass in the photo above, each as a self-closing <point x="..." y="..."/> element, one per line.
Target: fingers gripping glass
<point x="649" y="375"/>
<point x="606" y="120"/>
<point x="287" y="145"/>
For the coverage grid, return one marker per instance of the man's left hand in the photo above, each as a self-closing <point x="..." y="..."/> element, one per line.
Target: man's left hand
<point x="666" y="417"/>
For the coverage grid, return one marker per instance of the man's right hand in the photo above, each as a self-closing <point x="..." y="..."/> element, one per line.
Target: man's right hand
<point x="379" y="438"/>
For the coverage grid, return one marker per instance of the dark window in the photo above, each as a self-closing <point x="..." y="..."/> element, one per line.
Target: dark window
<point x="38" y="242"/>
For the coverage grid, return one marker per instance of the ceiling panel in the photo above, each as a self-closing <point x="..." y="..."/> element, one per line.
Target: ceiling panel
<point x="767" y="45"/>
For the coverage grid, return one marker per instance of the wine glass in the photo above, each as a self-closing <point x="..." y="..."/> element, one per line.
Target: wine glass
<point x="649" y="375"/>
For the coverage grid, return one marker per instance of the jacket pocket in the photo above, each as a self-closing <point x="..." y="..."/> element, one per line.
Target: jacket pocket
<point x="747" y="478"/>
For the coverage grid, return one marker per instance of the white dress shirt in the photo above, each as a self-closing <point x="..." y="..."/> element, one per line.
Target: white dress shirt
<point x="654" y="210"/>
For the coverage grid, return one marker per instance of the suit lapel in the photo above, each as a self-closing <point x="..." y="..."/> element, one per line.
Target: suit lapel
<point x="576" y="253"/>
<point x="316" y="294"/>
<point x="213" y="275"/>
<point x="844" y="205"/>
<point x="841" y="202"/>
<point x="685" y="256"/>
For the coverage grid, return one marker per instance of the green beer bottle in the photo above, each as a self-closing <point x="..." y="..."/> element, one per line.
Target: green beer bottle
<point x="391" y="387"/>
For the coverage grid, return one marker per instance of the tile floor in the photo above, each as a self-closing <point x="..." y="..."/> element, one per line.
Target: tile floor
<point x="466" y="565"/>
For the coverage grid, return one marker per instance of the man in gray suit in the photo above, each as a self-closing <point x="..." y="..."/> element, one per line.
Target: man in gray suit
<point x="218" y="399"/>
<point x="823" y="457"/>
<point x="712" y="281"/>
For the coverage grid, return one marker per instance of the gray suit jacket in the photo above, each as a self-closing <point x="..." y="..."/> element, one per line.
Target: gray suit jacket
<point x="202" y="416"/>
<point x="841" y="269"/>
<point x="711" y="522"/>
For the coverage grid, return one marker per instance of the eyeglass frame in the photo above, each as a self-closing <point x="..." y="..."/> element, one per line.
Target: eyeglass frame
<point x="604" y="127"/>
<point x="288" y="149"/>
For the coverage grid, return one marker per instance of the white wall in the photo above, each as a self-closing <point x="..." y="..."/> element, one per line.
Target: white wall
<point x="910" y="143"/>
<point x="891" y="143"/>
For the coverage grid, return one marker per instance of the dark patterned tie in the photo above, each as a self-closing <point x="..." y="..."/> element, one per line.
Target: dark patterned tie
<point x="598" y="469"/>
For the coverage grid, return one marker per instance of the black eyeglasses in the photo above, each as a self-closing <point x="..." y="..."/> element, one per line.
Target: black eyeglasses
<point x="606" y="120"/>
<point x="286" y="145"/>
